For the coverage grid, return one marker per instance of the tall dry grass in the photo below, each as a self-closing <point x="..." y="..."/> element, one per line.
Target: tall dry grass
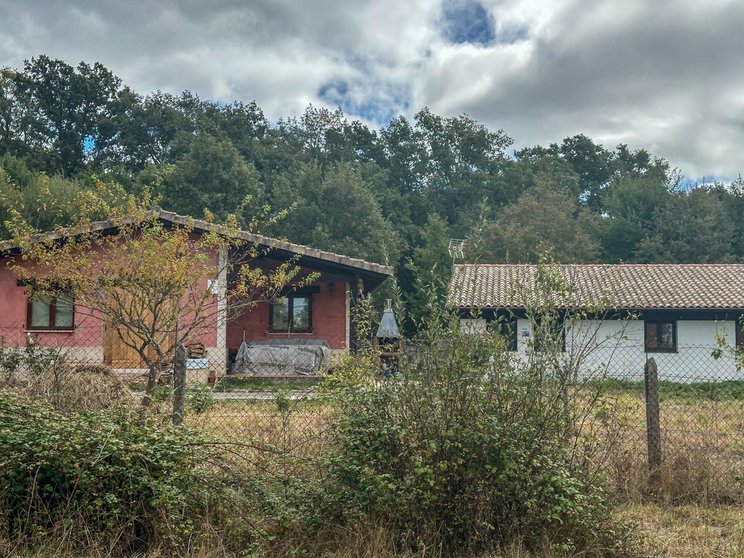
<point x="702" y="457"/>
<point x="680" y="515"/>
<point x="688" y="531"/>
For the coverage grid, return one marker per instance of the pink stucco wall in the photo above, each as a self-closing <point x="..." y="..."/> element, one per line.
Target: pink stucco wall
<point x="88" y="331"/>
<point x="328" y="319"/>
<point x="88" y="328"/>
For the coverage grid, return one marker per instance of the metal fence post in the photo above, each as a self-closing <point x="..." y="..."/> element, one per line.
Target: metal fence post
<point x="179" y="385"/>
<point x="653" y="426"/>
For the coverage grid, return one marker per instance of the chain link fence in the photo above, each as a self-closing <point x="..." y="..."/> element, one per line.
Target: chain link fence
<point x="674" y="423"/>
<point x="266" y="400"/>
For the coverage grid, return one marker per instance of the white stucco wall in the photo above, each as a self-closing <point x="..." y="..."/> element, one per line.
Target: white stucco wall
<point x="693" y="361"/>
<point x="473" y="326"/>
<point x="615" y="348"/>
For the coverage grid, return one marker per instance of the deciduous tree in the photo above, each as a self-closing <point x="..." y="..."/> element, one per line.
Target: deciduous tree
<point x="148" y="280"/>
<point x="544" y="219"/>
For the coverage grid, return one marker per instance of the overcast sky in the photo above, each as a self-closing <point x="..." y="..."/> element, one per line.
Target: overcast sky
<point x="667" y="75"/>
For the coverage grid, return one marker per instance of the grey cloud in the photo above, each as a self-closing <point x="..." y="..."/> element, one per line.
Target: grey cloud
<point x="637" y="73"/>
<point x="664" y="75"/>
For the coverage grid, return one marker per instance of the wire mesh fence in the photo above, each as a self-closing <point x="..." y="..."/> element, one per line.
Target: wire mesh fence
<point x="699" y="391"/>
<point x="269" y="397"/>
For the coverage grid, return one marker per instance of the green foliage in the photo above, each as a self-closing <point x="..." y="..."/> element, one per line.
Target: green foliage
<point x="58" y="108"/>
<point x="630" y="205"/>
<point x="430" y="268"/>
<point x="103" y="474"/>
<point x="350" y="189"/>
<point x="29" y="358"/>
<point x="544" y="219"/>
<point x="694" y="227"/>
<point x="335" y="211"/>
<point x="199" y="398"/>
<point x="466" y="449"/>
<point x="211" y="174"/>
<point x="10" y="362"/>
<point x="45" y="202"/>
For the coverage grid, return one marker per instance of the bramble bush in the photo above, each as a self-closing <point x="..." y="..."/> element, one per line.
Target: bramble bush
<point x="468" y="448"/>
<point x="97" y="477"/>
<point x="30" y="358"/>
<point x="200" y="398"/>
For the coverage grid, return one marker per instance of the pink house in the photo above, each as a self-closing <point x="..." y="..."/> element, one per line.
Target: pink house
<point x="297" y="332"/>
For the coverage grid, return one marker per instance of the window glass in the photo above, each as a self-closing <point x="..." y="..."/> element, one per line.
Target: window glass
<point x="660" y="336"/>
<point x="666" y="336"/>
<point x="280" y="315"/>
<point x="651" y="335"/>
<point x="63" y="311"/>
<point x="40" y="311"/>
<point x="301" y="313"/>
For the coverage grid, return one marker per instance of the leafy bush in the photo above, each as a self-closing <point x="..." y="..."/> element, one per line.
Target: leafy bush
<point x="10" y="362"/>
<point x="108" y="475"/>
<point x="30" y="358"/>
<point x="200" y="398"/>
<point x="467" y="448"/>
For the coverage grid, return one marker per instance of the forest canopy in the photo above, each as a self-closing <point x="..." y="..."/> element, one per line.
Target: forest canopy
<point x="394" y="194"/>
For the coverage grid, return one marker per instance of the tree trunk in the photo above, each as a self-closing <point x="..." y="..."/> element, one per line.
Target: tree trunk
<point x="152" y="381"/>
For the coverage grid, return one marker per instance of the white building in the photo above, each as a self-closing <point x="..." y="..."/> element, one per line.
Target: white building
<point x="675" y="313"/>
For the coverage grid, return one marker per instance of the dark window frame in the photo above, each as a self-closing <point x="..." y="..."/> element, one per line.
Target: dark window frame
<point x="290" y="314"/>
<point x="52" y="315"/>
<point x="506" y="328"/>
<point x="658" y="323"/>
<point x="739" y="327"/>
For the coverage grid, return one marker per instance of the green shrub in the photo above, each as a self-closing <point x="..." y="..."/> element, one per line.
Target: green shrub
<point x="467" y="449"/>
<point x="110" y="474"/>
<point x="199" y="397"/>
<point x="10" y="362"/>
<point x="30" y="357"/>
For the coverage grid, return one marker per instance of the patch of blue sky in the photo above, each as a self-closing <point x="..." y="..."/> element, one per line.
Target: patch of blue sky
<point x="687" y="184"/>
<point x="89" y="144"/>
<point x="467" y="21"/>
<point x="379" y="109"/>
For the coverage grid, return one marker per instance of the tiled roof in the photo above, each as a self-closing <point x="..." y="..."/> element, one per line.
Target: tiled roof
<point x="276" y="244"/>
<point x="622" y="286"/>
<point x="199" y="224"/>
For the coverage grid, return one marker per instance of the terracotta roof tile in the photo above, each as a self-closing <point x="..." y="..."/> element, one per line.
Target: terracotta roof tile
<point x="273" y="243"/>
<point x="622" y="286"/>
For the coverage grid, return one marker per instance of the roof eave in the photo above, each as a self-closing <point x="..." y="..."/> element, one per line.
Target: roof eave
<point x="373" y="272"/>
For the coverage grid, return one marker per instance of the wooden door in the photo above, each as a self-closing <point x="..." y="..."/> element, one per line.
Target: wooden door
<point x="117" y="352"/>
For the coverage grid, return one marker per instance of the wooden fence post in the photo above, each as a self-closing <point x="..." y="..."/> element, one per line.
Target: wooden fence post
<point x="179" y="385"/>
<point x="653" y="426"/>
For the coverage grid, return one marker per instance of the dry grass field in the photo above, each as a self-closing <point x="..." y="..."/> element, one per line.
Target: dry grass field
<point x="694" y="509"/>
<point x="702" y="445"/>
<point x="688" y="531"/>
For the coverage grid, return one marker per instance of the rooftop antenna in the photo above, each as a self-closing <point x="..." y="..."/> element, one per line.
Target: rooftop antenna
<point x="456" y="249"/>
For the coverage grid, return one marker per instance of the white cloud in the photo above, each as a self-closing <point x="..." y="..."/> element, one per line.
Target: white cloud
<point x="664" y="75"/>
